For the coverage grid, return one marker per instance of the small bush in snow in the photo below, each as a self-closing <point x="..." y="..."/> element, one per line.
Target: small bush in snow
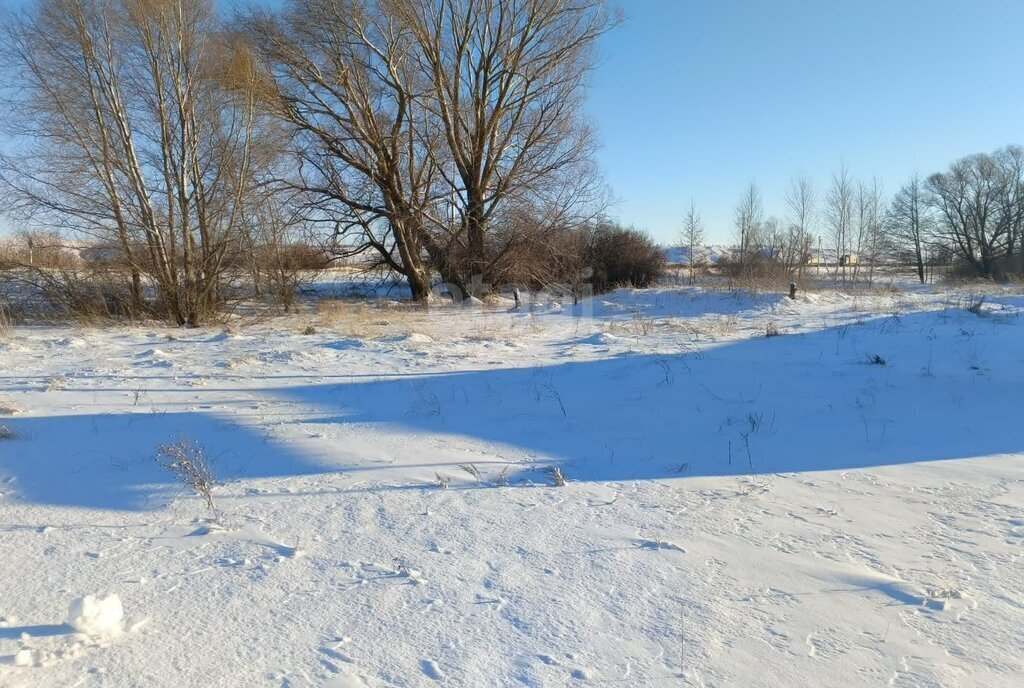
<point x="6" y="433"/>
<point x="772" y="330"/>
<point x="642" y="325"/>
<point x="473" y="471"/>
<point x="187" y="461"/>
<point x="557" y="477"/>
<point x="502" y="479"/>
<point x="309" y="330"/>
<point x="875" y="359"/>
<point x="441" y="481"/>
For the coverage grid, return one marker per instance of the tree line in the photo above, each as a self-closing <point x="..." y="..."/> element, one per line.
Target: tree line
<point x="971" y="214"/>
<point x="444" y="137"/>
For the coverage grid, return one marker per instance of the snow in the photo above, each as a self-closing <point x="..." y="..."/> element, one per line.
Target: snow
<point x="740" y="509"/>
<point x="96" y="616"/>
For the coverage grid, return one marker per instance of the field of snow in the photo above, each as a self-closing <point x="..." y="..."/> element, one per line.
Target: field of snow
<point x="841" y="504"/>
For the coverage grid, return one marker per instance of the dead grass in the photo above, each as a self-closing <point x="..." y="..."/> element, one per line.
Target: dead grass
<point x="363" y="320"/>
<point x="6" y="325"/>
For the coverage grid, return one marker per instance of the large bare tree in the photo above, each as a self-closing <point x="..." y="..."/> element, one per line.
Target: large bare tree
<point x="980" y="206"/>
<point x="141" y="130"/>
<point x="910" y="222"/>
<point x="346" y="79"/>
<point x="505" y="86"/>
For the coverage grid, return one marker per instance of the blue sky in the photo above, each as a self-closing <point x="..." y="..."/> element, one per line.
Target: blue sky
<point x="698" y="97"/>
<point x="695" y="98"/>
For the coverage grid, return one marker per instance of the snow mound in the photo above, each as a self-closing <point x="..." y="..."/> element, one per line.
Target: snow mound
<point x="344" y="344"/>
<point x="96" y="615"/>
<point x="599" y="339"/>
<point x="418" y="338"/>
<point x="285" y="356"/>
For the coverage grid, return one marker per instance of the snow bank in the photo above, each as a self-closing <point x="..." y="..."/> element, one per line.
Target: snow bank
<point x="96" y="615"/>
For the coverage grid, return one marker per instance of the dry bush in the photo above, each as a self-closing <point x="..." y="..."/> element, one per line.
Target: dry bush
<point x="278" y="271"/>
<point x="974" y="304"/>
<point x="6" y="325"/>
<point x="621" y="256"/>
<point x="556" y="475"/>
<point x="190" y="465"/>
<point x="760" y="277"/>
<point x="94" y="295"/>
<point x="1006" y="269"/>
<point x="772" y="330"/>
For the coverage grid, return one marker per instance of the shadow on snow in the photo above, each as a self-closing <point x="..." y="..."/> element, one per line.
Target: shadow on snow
<point x="949" y="389"/>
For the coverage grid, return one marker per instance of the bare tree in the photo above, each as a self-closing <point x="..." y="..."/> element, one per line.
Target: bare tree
<point x="505" y="81"/>
<point x="910" y="223"/>
<point x="838" y="216"/>
<point x="691" y="238"/>
<point x="345" y="79"/>
<point x="979" y="205"/>
<point x="142" y="131"/>
<point x="749" y="218"/>
<point x="801" y="200"/>
<point x="868" y="239"/>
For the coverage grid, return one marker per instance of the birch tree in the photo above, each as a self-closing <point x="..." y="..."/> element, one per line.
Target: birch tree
<point x="801" y="200"/>
<point x="838" y="217"/>
<point x="141" y="129"/>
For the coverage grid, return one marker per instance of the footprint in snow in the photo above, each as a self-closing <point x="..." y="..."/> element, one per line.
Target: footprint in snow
<point x="431" y="670"/>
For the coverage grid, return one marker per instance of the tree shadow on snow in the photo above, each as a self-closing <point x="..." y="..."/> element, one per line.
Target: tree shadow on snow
<point x="943" y="386"/>
<point x="109" y="460"/>
<point x="892" y="390"/>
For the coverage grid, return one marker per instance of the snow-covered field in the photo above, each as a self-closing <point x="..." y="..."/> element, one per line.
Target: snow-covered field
<point x="842" y="504"/>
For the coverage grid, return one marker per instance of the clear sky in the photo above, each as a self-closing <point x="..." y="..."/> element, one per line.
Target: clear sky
<point x="694" y="98"/>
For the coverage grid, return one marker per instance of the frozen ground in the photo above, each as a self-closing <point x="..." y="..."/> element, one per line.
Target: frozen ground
<point x="840" y="504"/>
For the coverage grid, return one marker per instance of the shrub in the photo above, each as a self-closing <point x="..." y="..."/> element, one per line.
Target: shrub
<point x="187" y="461"/>
<point x="623" y="256"/>
<point x="557" y="477"/>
